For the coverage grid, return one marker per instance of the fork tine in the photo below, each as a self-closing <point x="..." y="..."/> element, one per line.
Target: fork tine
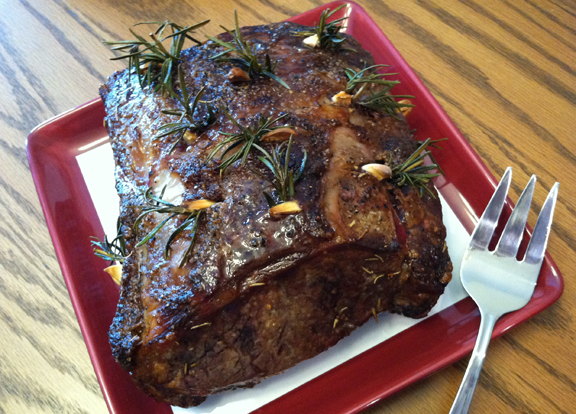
<point x="514" y="230"/>
<point x="537" y="246"/>
<point x="485" y="228"/>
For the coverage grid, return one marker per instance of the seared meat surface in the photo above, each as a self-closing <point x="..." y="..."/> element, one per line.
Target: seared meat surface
<point x="260" y="294"/>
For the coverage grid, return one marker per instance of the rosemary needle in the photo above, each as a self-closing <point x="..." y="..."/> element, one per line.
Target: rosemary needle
<point x="244" y="55"/>
<point x="155" y="204"/>
<point x="150" y="60"/>
<point x="414" y="172"/>
<point x="368" y="75"/>
<point x="384" y="102"/>
<point x="186" y="120"/>
<point x="114" y="250"/>
<point x="243" y="140"/>
<point x="328" y="34"/>
<point x="278" y="161"/>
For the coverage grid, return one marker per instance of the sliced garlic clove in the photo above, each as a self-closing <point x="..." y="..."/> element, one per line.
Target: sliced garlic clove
<point x="280" y="134"/>
<point x="342" y="99"/>
<point x="311" y="41"/>
<point x="115" y="271"/>
<point x="289" y="207"/>
<point x="238" y="75"/>
<point x="199" y="204"/>
<point x="190" y="136"/>
<point x="406" y="109"/>
<point x="380" y="171"/>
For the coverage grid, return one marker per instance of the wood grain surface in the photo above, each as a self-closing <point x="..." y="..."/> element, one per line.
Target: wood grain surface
<point x="505" y="71"/>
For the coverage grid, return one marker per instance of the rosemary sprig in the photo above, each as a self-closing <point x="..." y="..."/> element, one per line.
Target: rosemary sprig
<point x="384" y="102"/>
<point x="245" y="139"/>
<point x="413" y="171"/>
<point x="364" y="77"/>
<point x="114" y="250"/>
<point x="328" y="34"/>
<point x="150" y="59"/>
<point x="278" y="161"/>
<point x="155" y="204"/>
<point x="186" y="119"/>
<point x="380" y="101"/>
<point x="244" y="55"/>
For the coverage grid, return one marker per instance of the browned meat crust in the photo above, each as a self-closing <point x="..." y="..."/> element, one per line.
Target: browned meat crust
<point x="260" y="295"/>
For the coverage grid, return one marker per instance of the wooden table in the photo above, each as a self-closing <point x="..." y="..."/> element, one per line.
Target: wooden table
<point x="505" y="71"/>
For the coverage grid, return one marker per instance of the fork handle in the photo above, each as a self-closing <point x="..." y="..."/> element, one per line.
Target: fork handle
<point x="463" y="399"/>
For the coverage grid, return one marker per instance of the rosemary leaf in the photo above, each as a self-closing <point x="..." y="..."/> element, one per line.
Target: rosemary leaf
<point x="384" y="102"/>
<point x="187" y="115"/>
<point x="414" y="172"/>
<point x="365" y="77"/>
<point x="114" y="250"/>
<point x="193" y="233"/>
<point x="244" y="55"/>
<point x="328" y="34"/>
<point x="278" y="161"/>
<point x="176" y="232"/>
<point x="150" y="60"/>
<point x="381" y="100"/>
<point x="155" y="230"/>
<point x="246" y="138"/>
<point x="155" y="204"/>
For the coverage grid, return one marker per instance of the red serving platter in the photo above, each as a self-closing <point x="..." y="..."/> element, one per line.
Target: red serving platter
<point x="352" y="386"/>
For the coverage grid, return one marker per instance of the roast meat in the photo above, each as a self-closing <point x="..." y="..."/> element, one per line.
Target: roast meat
<point x="259" y="294"/>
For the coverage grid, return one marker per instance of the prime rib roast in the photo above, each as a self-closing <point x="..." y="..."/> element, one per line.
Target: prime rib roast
<point x="259" y="294"/>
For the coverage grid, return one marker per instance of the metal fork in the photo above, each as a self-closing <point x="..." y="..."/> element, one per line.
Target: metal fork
<point x="496" y="281"/>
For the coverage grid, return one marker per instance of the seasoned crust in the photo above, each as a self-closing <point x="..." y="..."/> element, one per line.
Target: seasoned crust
<point x="254" y="287"/>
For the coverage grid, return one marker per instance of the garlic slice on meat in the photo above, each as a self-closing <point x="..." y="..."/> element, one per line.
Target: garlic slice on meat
<point x="115" y="271"/>
<point x="342" y="99"/>
<point x="279" y="134"/>
<point x="289" y="207"/>
<point x="238" y="75"/>
<point x="380" y="171"/>
<point x="190" y="136"/>
<point x="406" y="110"/>
<point x="198" y="204"/>
<point x="311" y="41"/>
